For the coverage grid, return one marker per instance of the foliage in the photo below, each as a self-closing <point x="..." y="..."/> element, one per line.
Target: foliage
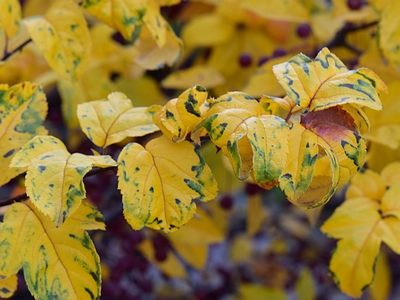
<point x="291" y="122"/>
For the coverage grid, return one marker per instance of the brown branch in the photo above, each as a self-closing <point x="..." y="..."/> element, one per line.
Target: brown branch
<point x="8" y="54"/>
<point x="22" y="197"/>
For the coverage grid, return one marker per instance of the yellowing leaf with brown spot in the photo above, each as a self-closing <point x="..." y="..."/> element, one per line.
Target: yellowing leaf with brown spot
<point x="107" y="122"/>
<point x="254" y="142"/>
<point x="160" y="183"/>
<point x="181" y="115"/>
<point x="54" y="181"/>
<point x="23" y="108"/>
<point x="203" y="75"/>
<point x="362" y="224"/>
<point x="10" y="17"/>
<point x="58" y="263"/>
<point x="123" y="15"/>
<point x="192" y="241"/>
<point x="63" y="37"/>
<point x="326" y="82"/>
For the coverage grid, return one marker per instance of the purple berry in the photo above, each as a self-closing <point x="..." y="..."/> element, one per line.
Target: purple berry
<point x="253" y="189"/>
<point x="245" y="60"/>
<point x="279" y="52"/>
<point x="355" y="4"/>
<point x="303" y="30"/>
<point x="263" y="60"/>
<point x="161" y="254"/>
<point x="226" y="202"/>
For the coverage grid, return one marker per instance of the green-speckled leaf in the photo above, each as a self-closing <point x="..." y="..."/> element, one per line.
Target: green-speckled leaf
<point x="23" y="107"/>
<point x="123" y="15"/>
<point x="62" y="35"/>
<point x="8" y="286"/>
<point x="86" y="217"/>
<point x="107" y="122"/>
<point x="58" y="263"/>
<point x="54" y="181"/>
<point x="327" y="82"/>
<point x="160" y="183"/>
<point x="10" y="17"/>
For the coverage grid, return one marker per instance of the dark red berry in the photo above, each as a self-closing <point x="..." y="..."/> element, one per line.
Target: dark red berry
<point x="303" y="30"/>
<point x="263" y="60"/>
<point x="161" y="254"/>
<point x="226" y="202"/>
<point x="253" y="189"/>
<point x="245" y="60"/>
<point x="279" y="52"/>
<point x="355" y="4"/>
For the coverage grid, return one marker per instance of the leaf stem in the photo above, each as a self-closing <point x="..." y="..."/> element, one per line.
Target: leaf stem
<point x="24" y="196"/>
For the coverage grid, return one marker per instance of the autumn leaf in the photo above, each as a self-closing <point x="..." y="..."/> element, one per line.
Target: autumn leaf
<point x="63" y="37"/>
<point x="123" y="15"/>
<point x="107" y="122"/>
<point x="249" y="291"/>
<point x="192" y="241"/>
<point x="327" y="82"/>
<point x="254" y="142"/>
<point x="8" y="286"/>
<point x="181" y="115"/>
<point x="54" y="181"/>
<point x="389" y="34"/>
<point x="10" y="17"/>
<point x="23" y="108"/>
<point x="361" y="224"/>
<point x="160" y="183"/>
<point x="58" y="262"/>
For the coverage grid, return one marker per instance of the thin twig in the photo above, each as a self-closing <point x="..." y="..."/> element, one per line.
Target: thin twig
<point x="8" y="54"/>
<point x="24" y="196"/>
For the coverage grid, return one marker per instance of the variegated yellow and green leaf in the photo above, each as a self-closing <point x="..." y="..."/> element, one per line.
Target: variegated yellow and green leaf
<point x="58" y="263"/>
<point x="327" y="82"/>
<point x="23" y="108"/>
<point x="54" y="180"/>
<point x="337" y="128"/>
<point x="86" y="217"/>
<point x="62" y="35"/>
<point x="109" y="121"/>
<point x="180" y="116"/>
<point x="10" y="17"/>
<point x="124" y="15"/>
<point x="252" y="140"/>
<point x="160" y="183"/>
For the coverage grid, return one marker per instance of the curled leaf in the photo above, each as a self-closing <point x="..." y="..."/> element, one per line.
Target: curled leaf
<point x="54" y="181"/>
<point x="107" y="122"/>
<point x="160" y="183"/>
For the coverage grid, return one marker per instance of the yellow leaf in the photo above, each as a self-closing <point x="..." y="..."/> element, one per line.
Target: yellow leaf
<point x="366" y="183"/>
<point x="152" y="56"/>
<point x="152" y="20"/>
<point x="290" y="10"/>
<point x="327" y="82"/>
<point x="380" y="288"/>
<point x="181" y="115"/>
<point x="86" y="217"/>
<point x="361" y="228"/>
<point x="256" y="85"/>
<point x="241" y="249"/>
<point x="107" y="122"/>
<point x="259" y="292"/>
<point x="10" y="17"/>
<point x="389" y="33"/>
<point x="255" y="214"/>
<point x="8" y="286"/>
<point x="63" y="37"/>
<point x="123" y="15"/>
<point x="58" y="262"/>
<point x="192" y="240"/>
<point x="23" y="108"/>
<point x="253" y="141"/>
<point x="390" y="204"/>
<point x="207" y="30"/>
<point x="199" y="74"/>
<point x="305" y="285"/>
<point x="380" y="156"/>
<point x="170" y="266"/>
<point x="54" y="181"/>
<point x="391" y="173"/>
<point x="160" y="183"/>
